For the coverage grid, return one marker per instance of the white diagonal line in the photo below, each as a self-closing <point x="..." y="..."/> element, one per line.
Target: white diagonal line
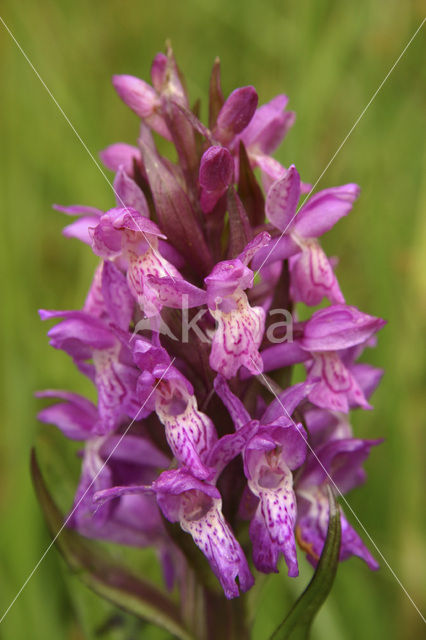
<point x="339" y="148"/>
<point x="83" y="496"/>
<point x="80" y="139"/>
<point x="343" y="497"/>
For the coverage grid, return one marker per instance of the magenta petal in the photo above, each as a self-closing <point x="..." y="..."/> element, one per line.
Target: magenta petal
<point x="198" y="507"/>
<point x="282" y="198"/>
<point x="178" y="294"/>
<point x="338" y="327"/>
<point x="278" y="248"/>
<point x="254" y="246"/>
<point x="239" y="414"/>
<point x="75" y="417"/>
<point x="312" y="277"/>
<point x="81" y="229"/>
<point x="119" y="301"/>
<point x="286" y="402"/>
<point x="79" y="210"/>
<point x="272" y="532"/>
<point x="269" y="125"/>
<point x="120" y="155"/>
<point x="216" y="169"/>
<point x="235" y="114"/>
<point x="324" y="209"/>
<point x="282" y="355"/>
<point x="229" y="446"/>
<point x="368" y="377"/>
<point x="337" y="389"/>
<point x="129" y="194"/>
<point x="137" y="94"/>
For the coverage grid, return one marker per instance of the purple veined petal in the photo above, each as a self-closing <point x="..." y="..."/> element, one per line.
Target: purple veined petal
<point x="137" y="94"/>
<point x="312" y="277"/>
<point x="239" y="414"/>
<point x="119" y="155"/>
<point x="178" y="294"/>
<point x="272" y="527"/>
<point x="129" y="194"/>
<point x="261" y="240"/>
<point x="282" y="443"/>
<point x="337" y="388"/>
<point x="282" y="198"/>
<point x="116" y="385"/>
<point x="236" y="113"/>
<point x="338" y="327"/>
<point x="324" y="209"/>
<point x="229" y="446"/>
<point x="225" y="279"/>
<point x="287" y="401"/>
<point x="189" y="432"/>
<point x="282" y="355"/>
<point x="119" y="301"/>
<point x="75" y="417"/>
<point x="269" y="125"/>
<point x="279" y="248"/>
<point x="145" y="291"/>
<point x="78" y="328"/>
<point x="311" y="530"/>
<point x="198" y="508"/>
<point x="237" y="337"/>
<point x="367" y="376"/>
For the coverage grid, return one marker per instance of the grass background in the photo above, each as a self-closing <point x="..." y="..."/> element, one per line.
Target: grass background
<point x="329" y="57"/>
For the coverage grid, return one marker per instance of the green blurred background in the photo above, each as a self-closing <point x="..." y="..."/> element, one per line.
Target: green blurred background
<point x="329" y="57"/>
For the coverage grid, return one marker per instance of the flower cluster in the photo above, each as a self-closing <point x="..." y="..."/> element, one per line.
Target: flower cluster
<point x="196" y="422"/>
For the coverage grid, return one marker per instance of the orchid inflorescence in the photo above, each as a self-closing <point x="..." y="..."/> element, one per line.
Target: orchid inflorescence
<point x="197" y="423"/>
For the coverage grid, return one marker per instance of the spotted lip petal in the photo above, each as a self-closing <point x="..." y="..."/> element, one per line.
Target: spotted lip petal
<point x="197" y="506"/>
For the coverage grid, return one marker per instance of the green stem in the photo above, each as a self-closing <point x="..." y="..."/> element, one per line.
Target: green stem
<point x="225" y="619"/>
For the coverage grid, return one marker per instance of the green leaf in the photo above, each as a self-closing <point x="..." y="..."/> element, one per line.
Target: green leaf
<point x="298" y="622"/>
<point x="104" y="575"/>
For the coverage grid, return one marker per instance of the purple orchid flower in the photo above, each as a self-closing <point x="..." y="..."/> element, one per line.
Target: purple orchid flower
<point x="188" y="429"/>
<point x="341" y="461"/>
<point x="125" y="233"/>
<point x="277" y="448"/>
<point x="239" y="327"/>
<point x="98" y="353"/>
<point x="312" y="276"/>
<point x="327" y="337"/>
<point x="162" y="387"/>
<point x="197" y="506"/>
